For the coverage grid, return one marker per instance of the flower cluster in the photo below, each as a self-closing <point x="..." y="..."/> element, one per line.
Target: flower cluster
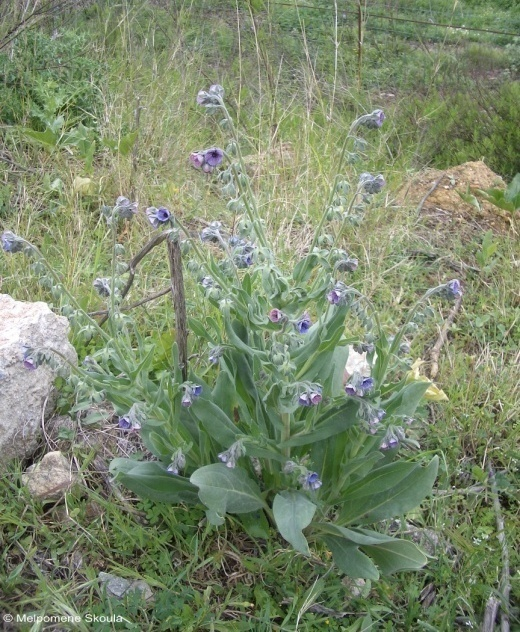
<point x="207" y="159"/>
<point x="394" y="435"/>
<point x="134" y="418"/>
<point x="178" y="462"/>
<point x="191" y="392"/>
<point x="309" y="481"/>
<point x="339" y="294"/>
<point x="103" y="287"/>
<point x="212" y="97"/>
<point x="373" y="120"/>
<point x="124" y="208"/>
<point x="311" y="396"/>
<point x="371" y="184"/>
<point x="11" y="242"/>
<point x="232" y="454"/>
<point x="358" y="386"/>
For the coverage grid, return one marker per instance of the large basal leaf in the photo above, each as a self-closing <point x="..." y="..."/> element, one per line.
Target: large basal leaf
<point x="356" y="536"/>
<point x="349" y="559"/>
<point x="226" y="490"/>
<point x="293" y="512"/>
<point x="386" y="492"/>
<point x="397" y="555"/>
<point x="357" y="552"/>
<point x="151" y="480"/>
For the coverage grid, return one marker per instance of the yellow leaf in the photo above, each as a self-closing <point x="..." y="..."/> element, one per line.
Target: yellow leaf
<point x="433" y="393"/>
<point x="83" y="186"/>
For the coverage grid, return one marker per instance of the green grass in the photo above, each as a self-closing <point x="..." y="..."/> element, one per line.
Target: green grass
<point x="205" y="578"/>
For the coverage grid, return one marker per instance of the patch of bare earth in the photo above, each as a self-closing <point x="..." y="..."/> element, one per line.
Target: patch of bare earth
<point x="435" y="194"/>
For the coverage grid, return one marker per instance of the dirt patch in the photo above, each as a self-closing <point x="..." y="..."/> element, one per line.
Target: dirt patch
<point x="435" y="194"/>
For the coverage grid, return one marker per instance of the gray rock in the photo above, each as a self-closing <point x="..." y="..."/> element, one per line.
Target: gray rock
<point x="120" y="587"/>
<point x="50" y="478"/>
<point x="26" y="396"/>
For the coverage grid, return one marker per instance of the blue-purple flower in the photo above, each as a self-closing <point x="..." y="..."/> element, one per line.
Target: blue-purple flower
<point x="206" y="159"/>
<point x="339" y="293"/>
<point x="213" y="156"/>
<point x="11" y="242"/>
<point x="191" y="392"/>
<point x="373" y="120"/>
<point x="243" y="260"/>
<point x="371" y="184"/>
<point x="453" y="289"/>
<point x="30" y="360"/>
<point x="277" y="316"/>
<point x="134" y="418"/>
<point x="311" y="397"/>
<point x="310" y="481"/>
<point x="303" y="324"/>
<point x="197" y="159"/>
<point x="159" y="216"/>
<point x="358" y="385"/>
<point x="392" y="438"/>
<point x="124" y="423"/>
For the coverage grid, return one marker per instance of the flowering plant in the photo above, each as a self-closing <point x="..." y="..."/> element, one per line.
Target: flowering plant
<point x="270" y="426"/>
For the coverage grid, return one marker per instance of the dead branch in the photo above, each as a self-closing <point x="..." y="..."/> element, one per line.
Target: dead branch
<point x="179" y="303"/>
<point x="505" y="581"/>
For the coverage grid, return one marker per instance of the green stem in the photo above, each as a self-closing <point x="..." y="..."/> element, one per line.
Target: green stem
<point x="71" y="298"/>
<point x="286" y="432"/>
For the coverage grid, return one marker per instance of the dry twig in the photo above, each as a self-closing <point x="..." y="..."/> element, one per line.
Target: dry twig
<point x="436" y="350"/>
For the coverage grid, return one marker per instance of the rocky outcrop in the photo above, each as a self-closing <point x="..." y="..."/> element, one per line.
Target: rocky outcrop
<point x="26" y="387"/>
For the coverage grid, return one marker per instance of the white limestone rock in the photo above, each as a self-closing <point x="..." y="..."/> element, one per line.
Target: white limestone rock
<point x="27" y="395"/>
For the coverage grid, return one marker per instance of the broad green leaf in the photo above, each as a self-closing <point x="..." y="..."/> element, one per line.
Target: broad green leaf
<point x="349" y="559"/>
<point x="151" y="480"/>
<point x="293" y="512"/>
<point x="223" y="394"/>
<point x="397" y="555"/>
<point x="126" y="143"/>
<point x="227" y="490"/>
<point x="333" y="422"/>
<point x="387" y="491"/>
<point x="48" y="137"/>
<point x="200" y="330"/>
<point x="406" y="400"/>
<point x="215" y="421"/>
<point x="303" y="269"/>
<point x="512" y="193"/>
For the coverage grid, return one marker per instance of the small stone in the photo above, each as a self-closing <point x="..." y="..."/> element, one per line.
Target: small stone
<point x="120" y="587"/>
<point x="51" y="478"/>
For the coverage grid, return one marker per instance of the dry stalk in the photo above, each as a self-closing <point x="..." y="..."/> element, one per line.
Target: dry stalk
<point x="436" y="350"/>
